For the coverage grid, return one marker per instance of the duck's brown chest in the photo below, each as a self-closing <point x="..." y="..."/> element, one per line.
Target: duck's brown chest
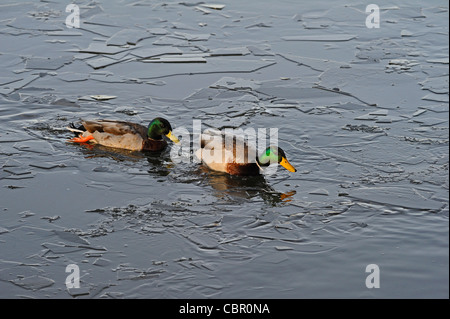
<point x="153" y="145"/>
<point x="247" y="169"/>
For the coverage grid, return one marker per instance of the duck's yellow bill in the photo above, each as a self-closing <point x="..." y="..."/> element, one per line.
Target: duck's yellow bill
<point x="172" y="137"/>
<point x="284" y="162"/>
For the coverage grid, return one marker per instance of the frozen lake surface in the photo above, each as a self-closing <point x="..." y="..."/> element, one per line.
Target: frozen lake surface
<point x="362" y="114"/>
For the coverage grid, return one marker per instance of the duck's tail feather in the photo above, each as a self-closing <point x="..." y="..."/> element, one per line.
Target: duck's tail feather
<point x="74" y="129"/>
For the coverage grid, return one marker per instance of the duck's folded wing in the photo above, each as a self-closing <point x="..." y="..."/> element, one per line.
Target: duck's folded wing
<point x="229" y="148"/>
<point x="114" y="127"/>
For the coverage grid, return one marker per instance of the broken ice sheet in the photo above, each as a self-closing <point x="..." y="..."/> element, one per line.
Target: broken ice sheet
<point x="104" y="19"/>
<point x="128" y="36"/>
<point x="380" y="49"/>
<point x="107" y="77"/>
<point x="203" y="10"/>
<point x="34" y="282"/>
<point x="55" y="41"/>
<point x="28" y="23"/>
<point x="436" y="97"/>
<point x="47" y="63"/>
<point x="316" y="24"/>
<point x="442" y="61"/>
<point x="319" y="191"/>
<point x="321" y="37"/>
<point x="419" y="112"/>
<point x="184" y="58"/>
<point x="126" y="110"/>
<point x="229" y="51"/>
<point x="438" y="85"/>
<point x="102" y="48"/>
<point x="191" y="37"/>
<point x="171" y="41"/>
<point x="406" y="33"/>
<point x="213" y="6"/>
<point x="381" y="112"/>
<point x="360" y="81"/>
<point x="103" y="97"/>
<point x="71" y="237"/>
<point x="225" y="122"/>
<point x="260" y="51"/>
<point x="158" y="31"/>
<point x="26" y="214"/>
<point x="17" y="170"/>
<point x="224" y="65"/>
<point x="153" y="52"/>
<point x="104" y="62"/>
<point x="410" y="13"/>
<point x="430" y="121"/>
<point x="259" y="25"/>
<point x="65" y="102"/>
<point x="64" y="33"/>
<point x="295" y="93"/>
<point x="104" y="31"/>
<point x="51" y="219"/>
<point x="235" y="84"/>
<point x="75" y="292"/>
<point x="93" y="9"/>
<point x="366" y="117"/>
<point x="441" y="108"/>
<point x="7" y="80"/>
<point x="37" y="146"/>
<point x="313" y="63"/>
<point x="46" y="165"/>
<point x="102" y="262"/>
<point x="66" y="249"/>
<point x="72" y="77"/>
<point x="401" y="64"/>
<point x="182" y="26"/>
<point x="395" y="196"/>
<point x="203" y="241"/>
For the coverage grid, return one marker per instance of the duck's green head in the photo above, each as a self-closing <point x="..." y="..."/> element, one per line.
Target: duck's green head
<point x="274" y="154"/>
<point x="159" y="127"/>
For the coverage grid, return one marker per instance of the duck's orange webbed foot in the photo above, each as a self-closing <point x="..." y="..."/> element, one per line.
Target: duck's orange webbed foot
<point x="286" y="197"/>
<point x="81" y="139"/>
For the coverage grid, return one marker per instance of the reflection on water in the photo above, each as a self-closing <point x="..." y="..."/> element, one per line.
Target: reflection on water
<point x="225" y="185"/>
<point x="244" y="187"/>
<point x="117" y="154"/>
<point x="159" y="162"/>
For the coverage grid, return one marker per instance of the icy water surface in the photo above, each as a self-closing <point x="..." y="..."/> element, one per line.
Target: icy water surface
<point x="362" y="114"/>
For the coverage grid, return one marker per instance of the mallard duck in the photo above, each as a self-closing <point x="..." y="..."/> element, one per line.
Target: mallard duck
<point x="125" y="135"/>
<point x="237" y="157"/>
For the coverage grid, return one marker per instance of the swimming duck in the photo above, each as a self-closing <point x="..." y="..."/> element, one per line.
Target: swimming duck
<point x="125" y="135"/>
<point x="237" y="157"/>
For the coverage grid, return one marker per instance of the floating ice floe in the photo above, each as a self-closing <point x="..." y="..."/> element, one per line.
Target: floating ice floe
<point x="128" y="36"/>
<point x="103" y="97"/>
<point x="442" y="60"/>
<point x="212" y="6"/>
<point x="321" y="37"/>
<point x="104" y="62"/>
<point x="47" y="63"/>
<point x="102" y="48"/>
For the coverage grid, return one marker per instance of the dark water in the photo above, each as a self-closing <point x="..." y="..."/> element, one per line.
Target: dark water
<point x="362" y="114"/>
